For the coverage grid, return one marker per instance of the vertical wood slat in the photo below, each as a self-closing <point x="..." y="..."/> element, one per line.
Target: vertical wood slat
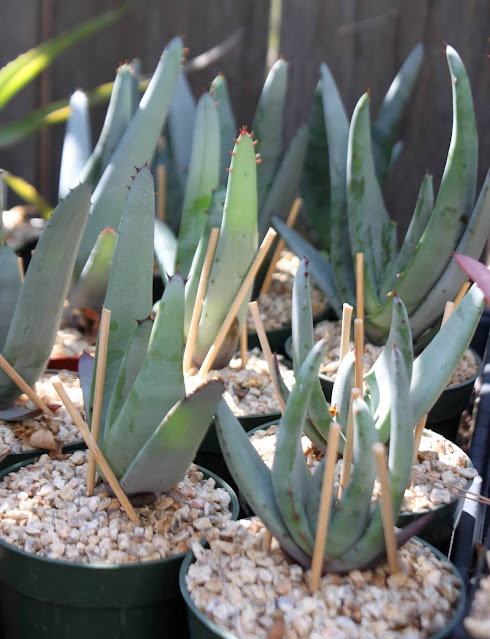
<point x="143" y="33"/>
<point x="364" y="43"/>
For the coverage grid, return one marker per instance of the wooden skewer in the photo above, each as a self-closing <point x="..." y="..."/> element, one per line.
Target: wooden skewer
<point x="349" y="443"/>
<point x="266" y="349"/>
<point x="237" y="302"/>
<point x="24" y="386"/>
<point x="345" y="334"/>
<point x="290" y="222"/>
<point x="244" y="344"/>
<point x="105" y="320"/>
<point x="267" y="540"/>
<point x="419" y="429"/>
<point x="92" y="446"/>
<point x="201" y="291"/>
<point x="360" y="285"/>
<point x="325" y="507"/>
<point x="448" y="309"/>
<point x="20" y="262"/>
<point x="462" y="292"/>
<point x="359" y="347"/>
<point x="386" y="508"/>
<point x="162" y="191"/>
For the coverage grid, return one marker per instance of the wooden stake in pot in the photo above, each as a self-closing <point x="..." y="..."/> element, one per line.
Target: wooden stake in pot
<point x="359" y="347"/>
<point x="24" y="386"/>
<point x="290" y="222"/>
<point x="244" y="344"/>
<point x="20" y="262"/>
<point x="237" y="302"/>
<point x="92" y="446"/>
<point x="345" y="334"/>
<point x="105" y="321"/>
<point x="325" y="507"/>
<point x="462" y="292"/>
<point x="386" y="509"/>
<point x="349" y="443"/>
<point x="201" y="291"/>
<point x="360" y="285"/>
<point x="162" y="190"/>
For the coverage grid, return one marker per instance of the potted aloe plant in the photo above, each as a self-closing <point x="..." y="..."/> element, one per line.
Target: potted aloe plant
<point x="421" y="269"/>
<point x="150" y="430"/>
<point x="288" y="499"/>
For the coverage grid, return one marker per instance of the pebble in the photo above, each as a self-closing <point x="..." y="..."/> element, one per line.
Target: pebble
<point x="352" y="606"/>
<point x="28" y="434"/>
<point x="88" y="529"/>
<point x="477" y="623"/>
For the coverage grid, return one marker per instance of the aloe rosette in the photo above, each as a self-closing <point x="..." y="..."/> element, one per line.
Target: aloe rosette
<point x="397" y="393"/>
<point x="420" y="269"/>
<point x="150" y="427"/>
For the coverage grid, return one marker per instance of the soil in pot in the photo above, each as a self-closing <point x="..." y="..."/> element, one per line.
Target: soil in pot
<point x="92" y="570"/>
<point x="70" y="343"/>
<point x="444" y="416"/>
<point x="439" y="478"/>
<point x="477" y="622"/>
<point x="275" y="305"/>
<point x="250" y="394"/>
<point x="27" y="438"/>
<point x="235" y="589"/>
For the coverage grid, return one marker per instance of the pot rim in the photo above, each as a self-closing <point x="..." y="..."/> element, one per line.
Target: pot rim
<point x="223" y="633"/>
<point x="136" y="565"/>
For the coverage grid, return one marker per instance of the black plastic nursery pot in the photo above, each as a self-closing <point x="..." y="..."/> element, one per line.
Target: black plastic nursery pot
<point x="200" y="627"/>
<point x="18" y="458"/>
<point x="56" y="599"/>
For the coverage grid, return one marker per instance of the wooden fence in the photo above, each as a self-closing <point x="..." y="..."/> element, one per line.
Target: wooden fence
<point x="364" y="43"/>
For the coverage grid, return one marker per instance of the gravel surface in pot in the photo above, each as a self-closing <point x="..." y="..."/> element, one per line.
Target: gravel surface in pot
<point x="45" y="510"/>
<point x="246" y="590"/>
<point x="43" y="431"/>
<point x="477" y="623"/>
<point x="249" y="390"/>
<point x="275" y="305"/>
<point x="70" y="342"/>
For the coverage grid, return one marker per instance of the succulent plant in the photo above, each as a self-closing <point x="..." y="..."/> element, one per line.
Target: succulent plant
<point x="396" y="395"/>
<point x="477" y="271"/>
<point x="31" y="308"/>
<point x="421" y="270"/>
<point x="150" y="428"/>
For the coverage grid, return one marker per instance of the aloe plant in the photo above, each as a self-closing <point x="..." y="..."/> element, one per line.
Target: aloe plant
<point x="421" y="269"/>
<point x="477" y="271"/>
<point x="397" y="394"/>
<point x="31" y="308"/>
<point x="150" y="428"/>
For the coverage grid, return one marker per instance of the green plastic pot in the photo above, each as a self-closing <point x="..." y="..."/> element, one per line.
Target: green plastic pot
<point x="200" y="627"/>
<point x="56" y="599"/>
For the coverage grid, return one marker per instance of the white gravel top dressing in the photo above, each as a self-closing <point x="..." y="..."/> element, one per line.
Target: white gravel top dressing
<point x="43" y="431"/>
<point x="247" y="591"/>
<point x="466" y="369"/>
<point x="477" y="623"/>
<point x="45" y="510"/>
<point x="249" y="390"/>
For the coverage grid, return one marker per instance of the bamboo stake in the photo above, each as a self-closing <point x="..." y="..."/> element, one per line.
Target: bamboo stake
<point x="290" y="222"/>
<point x="462" y="292"/>
<point x="267" y="540"/>
<point x="201" y="290"/>
<point x="419" y="429"/>
<point x="92" y="446"/>
<point x="346" y="326"/>
<point x="266" y="349"/>
<point x="360" y="285"/>
<point x="24" y="386"/>
<point x="244" y="344"/>
<point x="162" y="191"/>
<point x="20" y="262"/>
<point x="386" y="508"/>
<point x="359" y="348"/>
<point x="105" y="320"/>
<point x="355" y="393"/>
<point x="325" y="507"/>
<point x="448" y="309"/>
<point x="237" y="302"/>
